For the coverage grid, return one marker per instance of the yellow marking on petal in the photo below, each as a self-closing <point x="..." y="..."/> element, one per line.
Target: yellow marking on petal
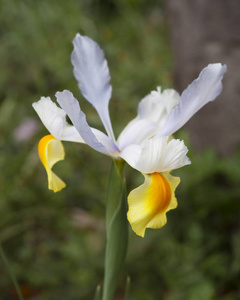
<point x="51" y="151"/>
<point x="149" y="203"/>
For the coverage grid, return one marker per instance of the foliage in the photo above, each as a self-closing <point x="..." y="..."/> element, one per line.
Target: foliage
<point x="55" y="242"/>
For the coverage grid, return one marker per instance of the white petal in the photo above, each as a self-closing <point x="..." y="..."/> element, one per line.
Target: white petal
<point x="156" y="106"/>
<point x="201" y="91"/>
<point x="71" y="106"/>
<point x="159" y="155"/>
<point x="152" y="113"/>
<point x="92" y="74"/>
<point x="54" y="119"/>
<point x="131" y="154"/>
<point x="136" y="132"/>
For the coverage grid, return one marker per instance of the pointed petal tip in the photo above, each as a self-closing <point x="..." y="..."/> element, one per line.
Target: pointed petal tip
<point x="217" y="68"/>
<point x="78" y="35"/>
<point x="76" y="40"/>
<point x="218" y="65"/>
<point x="79" y="38"/>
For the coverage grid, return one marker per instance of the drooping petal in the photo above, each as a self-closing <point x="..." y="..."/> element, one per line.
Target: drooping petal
<point x="71" y="106"/>
<point x="92" y="74"/>
<point x="54" y="119"/>
<point x="160" y="155"/>
<point x="51" y="151"/>
<point x="149" y="203"/>
<point x="157" y="105"/>
<point x="201" y="91"/>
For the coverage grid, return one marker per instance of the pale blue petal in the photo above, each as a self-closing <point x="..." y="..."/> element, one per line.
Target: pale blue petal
<point x="92" y="74"/>
<point x="71" y="106"/>
<point x="201" y="91"/>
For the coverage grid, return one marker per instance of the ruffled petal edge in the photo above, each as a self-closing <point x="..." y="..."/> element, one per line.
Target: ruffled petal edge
<point x="149" y="203"/>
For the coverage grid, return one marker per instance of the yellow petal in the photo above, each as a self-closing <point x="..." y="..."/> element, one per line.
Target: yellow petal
<point x="51" y="151"/>
<point x="149" y="203"/>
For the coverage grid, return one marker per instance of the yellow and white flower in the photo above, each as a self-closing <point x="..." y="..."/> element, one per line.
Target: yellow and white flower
<point x="145" y="143"/>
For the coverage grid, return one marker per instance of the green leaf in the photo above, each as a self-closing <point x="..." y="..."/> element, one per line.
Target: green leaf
<point x="117" y="230"/>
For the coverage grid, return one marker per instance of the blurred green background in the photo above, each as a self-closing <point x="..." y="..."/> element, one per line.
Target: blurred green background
<point x="55" y="242"/>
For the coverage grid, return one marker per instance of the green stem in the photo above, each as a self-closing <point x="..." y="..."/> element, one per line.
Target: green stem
<point x="116" y="230"/>
<point x="15" y="283"/>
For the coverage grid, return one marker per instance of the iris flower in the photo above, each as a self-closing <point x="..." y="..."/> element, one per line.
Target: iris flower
<point x="146" y="143"/>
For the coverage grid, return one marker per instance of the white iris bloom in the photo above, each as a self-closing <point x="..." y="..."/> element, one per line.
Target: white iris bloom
<point x="145" y="143"/>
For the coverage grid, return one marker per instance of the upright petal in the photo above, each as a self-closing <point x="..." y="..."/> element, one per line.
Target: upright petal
<point x="160" y="155"/>
<point x="51" y="151"/>
<point x="92" y="74"/>
<point x="157" y="105"/>
<point x="153" y="111"/>
<point x="149" y="203"/>
<point x="136" y="132"/>
<point x="201" y="91"/>
<point x="54" y="119"/>
<point x="71" y="106"/>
